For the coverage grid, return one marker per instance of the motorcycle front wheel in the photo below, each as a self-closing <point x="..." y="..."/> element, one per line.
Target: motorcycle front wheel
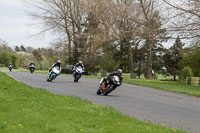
<point x="76" y="77"/>
<point x="99" y="91"/>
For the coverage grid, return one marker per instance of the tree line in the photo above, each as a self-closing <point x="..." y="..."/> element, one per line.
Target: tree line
<point x="112" y="34"/>
<point x="173" y="61"/>
<point x="127" y="34"/>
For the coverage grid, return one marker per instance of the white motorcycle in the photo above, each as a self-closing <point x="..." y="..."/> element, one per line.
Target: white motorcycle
<point x="53" y="74"/>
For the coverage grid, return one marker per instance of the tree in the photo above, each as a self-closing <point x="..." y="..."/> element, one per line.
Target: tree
<point x="157" y="58"/>
<point x="152" y="30"/>
<point x="107" y="62"/>
<point x="37" y="54"/>
<point x="22" y="48"/>
<point x="15" y="60"/>
<point x="139" y="55"/>
<point x="4" y="46"/>
<point x="184" y="19"/>
<point x="63" y="18"/>
<point x="93" y="28"/>
<point x="172" y="57"/>
<point x="5" y="58"/>
<point x="17" y="49"/>
<point x="191" y="57"/>
<point x="186" y="72"/>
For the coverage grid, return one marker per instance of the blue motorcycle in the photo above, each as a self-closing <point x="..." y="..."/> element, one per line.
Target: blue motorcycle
<point x="77" y="73"/>
<point x="53" y="74"/>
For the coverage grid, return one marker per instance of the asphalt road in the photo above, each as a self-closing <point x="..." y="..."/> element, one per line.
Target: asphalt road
<point x="146" y="104"/>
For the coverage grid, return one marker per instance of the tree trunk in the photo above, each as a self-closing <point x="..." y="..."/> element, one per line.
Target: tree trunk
<point x="149" y="59"/>
<point x="69" y="47"/>
<point x="174" y="71"/>
<point x="130" y="54"/>
<point x="140" y="67"/>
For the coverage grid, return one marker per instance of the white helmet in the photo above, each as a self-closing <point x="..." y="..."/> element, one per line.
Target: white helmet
<point x="119" y="72"/>
<point x="58" y="62"/>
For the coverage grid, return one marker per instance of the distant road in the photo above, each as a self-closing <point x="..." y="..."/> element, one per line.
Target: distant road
<point x="146" y="104"/>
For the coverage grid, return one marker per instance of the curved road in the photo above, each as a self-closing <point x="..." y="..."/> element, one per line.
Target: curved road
<point x="146" y="104"/>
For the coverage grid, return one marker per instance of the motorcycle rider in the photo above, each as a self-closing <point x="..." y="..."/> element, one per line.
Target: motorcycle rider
<point x="10" y="67"/>
<point x="32" y="67"/>
<point x="31" y="64"/>
<point x="108" y="80"/>
<point x="80" y="63"/>
<point x="58" y="64"/>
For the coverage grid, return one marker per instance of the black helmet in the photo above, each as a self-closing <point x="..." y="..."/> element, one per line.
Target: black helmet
<point x="119" y="72"/>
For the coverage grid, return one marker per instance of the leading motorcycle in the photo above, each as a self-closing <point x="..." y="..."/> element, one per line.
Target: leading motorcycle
<point x="53" y="74"/>
<point x="111" y="85"/>
<point x="77" y="73"/>
<point x="32" y="68"/>
<point x="10" y="68"/>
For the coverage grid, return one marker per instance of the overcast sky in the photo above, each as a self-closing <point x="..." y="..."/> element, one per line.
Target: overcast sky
<point x="15" y="26"/>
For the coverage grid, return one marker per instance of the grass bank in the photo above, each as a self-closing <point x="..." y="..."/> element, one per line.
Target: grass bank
<point x="27" y="109"/>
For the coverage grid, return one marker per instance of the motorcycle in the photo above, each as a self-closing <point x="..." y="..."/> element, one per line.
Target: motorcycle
<point x="10" y="68"/>
<point x="53" y="74"/>
<point x="77" y="73"/>
<point x="112" y="85"/>
<point x="32" y="68"/>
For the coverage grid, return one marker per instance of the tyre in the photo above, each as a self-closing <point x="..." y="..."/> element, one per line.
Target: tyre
<point x="99" y="91"/>
<point x="50" y="79"/>
<point x="75" y="78"/>
<point x="31" y="71"/>
<point x="109" y="89"/>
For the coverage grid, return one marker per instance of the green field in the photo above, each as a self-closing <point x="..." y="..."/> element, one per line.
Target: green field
<point x="25" y="109"/>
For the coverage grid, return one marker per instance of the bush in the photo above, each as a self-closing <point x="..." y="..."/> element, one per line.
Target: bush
<point x="107" y="63"/>
<point x="15" y="60"/>
<point x="186" y="72"/>
<point x="5" y="58"/>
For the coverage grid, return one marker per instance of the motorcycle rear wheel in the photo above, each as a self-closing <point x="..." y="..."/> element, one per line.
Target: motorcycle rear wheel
<point x="108" y="90"/>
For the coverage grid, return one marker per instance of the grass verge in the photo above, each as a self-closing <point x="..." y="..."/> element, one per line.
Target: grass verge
<point x="166" y="85"/>
<point x="27" y="109"/>
<point x="24" y="70"/>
